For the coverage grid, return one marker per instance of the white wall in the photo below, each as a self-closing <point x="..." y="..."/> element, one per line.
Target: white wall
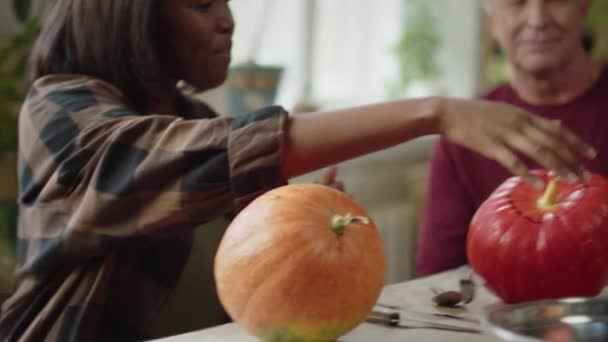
<point x="459" y="56"/>
<point x="352" y="60"/>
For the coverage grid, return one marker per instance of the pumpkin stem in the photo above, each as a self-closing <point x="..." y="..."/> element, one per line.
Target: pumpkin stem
<point x="339" y="222"/>
<point x="549" y="197"/>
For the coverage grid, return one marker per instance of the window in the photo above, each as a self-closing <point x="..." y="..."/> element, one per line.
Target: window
<point x="352" y="40"/>
<point x="352" y="58"/>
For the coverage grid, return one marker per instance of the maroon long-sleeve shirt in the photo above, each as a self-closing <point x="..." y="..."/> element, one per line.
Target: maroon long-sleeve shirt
<point x="461" y="180"/>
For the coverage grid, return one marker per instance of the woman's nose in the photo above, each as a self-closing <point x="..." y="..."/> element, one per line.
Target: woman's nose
<point x="226" y="23"/>
<point x="538" y="13"/>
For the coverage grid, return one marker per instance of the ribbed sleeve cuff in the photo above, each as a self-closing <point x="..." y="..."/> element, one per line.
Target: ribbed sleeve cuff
<point x="255" y="149"/>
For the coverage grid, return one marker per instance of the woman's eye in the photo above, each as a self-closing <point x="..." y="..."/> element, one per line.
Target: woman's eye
<point x="202" y="5"/>
<point x="205" y="5"/>
<point x="513" y="3"/>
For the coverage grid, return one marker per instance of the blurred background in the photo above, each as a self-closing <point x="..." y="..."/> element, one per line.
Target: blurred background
<point x="306" y="55"/>
<point x="347" y="52"/>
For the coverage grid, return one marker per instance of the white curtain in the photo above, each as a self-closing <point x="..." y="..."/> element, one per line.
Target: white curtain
<point x="352" y="39"/>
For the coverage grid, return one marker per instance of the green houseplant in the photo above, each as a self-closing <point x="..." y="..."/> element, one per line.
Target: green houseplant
<point x="13" y="86"/>
<point x="13" y="65"/>
<point x="417" y="46"/>
<point x="597" y="22"/>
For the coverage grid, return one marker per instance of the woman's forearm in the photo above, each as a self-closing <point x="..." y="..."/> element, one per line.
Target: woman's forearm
<point x="320" y="139"/>
<point x="495" y="130"/>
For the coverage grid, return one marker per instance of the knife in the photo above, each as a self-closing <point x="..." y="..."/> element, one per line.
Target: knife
<point x="428" y="315"/>
<point x="393" y="319"/>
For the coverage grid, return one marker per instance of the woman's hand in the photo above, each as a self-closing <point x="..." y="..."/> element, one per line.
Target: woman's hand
<point x="329" y="178"/>
<point x="498" y="130"/>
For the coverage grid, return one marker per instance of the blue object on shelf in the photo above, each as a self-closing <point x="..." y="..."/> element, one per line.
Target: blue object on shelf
<point x="252" y="86"/>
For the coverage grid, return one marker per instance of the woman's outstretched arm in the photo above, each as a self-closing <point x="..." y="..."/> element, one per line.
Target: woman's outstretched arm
<point x="497" y="131"/>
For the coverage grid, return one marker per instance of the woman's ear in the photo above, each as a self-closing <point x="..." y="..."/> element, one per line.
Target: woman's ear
<point x="187" y="88"/>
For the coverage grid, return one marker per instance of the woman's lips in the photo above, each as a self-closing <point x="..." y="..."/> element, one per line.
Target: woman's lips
<point x="223" y="48"/>
<point x="224" y="55"/>
<point x="540" y="44"/>
<point x="223" y="52"/>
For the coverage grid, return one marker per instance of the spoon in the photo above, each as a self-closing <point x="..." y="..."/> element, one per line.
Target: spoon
<point x="452" y="299"/>
<point x="447" y="299"/>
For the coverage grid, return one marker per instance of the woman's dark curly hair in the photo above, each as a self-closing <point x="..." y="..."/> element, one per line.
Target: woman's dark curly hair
<point x="117" y="41"/>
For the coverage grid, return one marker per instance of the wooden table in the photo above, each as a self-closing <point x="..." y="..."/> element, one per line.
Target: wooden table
<point x="410" y="295"/>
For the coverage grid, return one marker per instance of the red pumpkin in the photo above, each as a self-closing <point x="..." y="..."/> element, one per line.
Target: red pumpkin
<point x="532" y="244"/>
<point x="301" y="263"/>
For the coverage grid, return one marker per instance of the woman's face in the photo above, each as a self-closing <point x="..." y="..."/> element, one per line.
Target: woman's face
<point x="196" y="40"/>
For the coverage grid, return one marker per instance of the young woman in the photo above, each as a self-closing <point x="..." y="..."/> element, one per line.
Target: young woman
<point x="117" y="167"/>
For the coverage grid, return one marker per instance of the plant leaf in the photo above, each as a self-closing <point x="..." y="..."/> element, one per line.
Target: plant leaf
<point x="22" y="9"/>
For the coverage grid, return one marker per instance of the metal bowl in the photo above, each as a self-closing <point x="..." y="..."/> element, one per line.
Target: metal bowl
<point x="572" y="319"/>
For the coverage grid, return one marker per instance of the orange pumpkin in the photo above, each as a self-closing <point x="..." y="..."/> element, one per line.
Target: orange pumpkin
<point x="302" y="262"/>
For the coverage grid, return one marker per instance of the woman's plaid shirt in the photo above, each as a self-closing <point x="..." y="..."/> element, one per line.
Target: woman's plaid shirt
<point x="109" y="199"/>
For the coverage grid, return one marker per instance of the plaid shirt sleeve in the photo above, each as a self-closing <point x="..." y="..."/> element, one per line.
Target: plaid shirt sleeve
<point x="100" y="184"/>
